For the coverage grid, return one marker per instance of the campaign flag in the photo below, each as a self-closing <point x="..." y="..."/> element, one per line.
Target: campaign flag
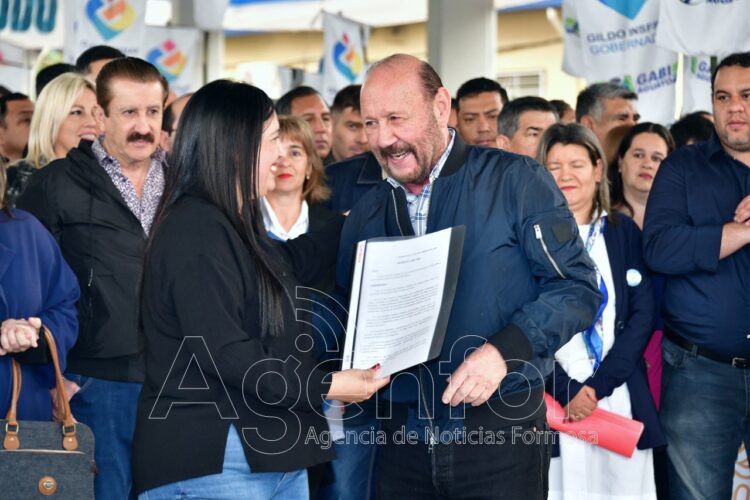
<point x="117" y="23"/>
<point x="344" y="43"/>
<point x="618" y="44"/>
<point x="696" y="84"/>
<point x="32" y="24"/>
<point x="713" y="27"/>
<point x="573" y="63"/>
<point x="175" y="52"/>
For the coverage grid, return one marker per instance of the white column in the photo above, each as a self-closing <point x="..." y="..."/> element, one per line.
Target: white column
<point x="461" y="40"/>
<point x="212" y="46"/>
<point x="214" y="55"/>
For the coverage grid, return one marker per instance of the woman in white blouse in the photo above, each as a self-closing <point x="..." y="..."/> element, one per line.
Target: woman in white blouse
<point x="602" y="367"/>
<point x="300" y="184"/>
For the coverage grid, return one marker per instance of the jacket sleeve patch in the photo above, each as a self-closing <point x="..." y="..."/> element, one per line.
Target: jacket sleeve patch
<point x="562" y="232"/>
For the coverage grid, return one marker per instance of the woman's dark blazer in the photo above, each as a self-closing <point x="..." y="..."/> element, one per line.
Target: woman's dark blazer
<point x="635" y="313"/>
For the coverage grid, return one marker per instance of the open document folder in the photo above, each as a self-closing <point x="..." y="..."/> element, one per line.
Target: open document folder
<point x="401" y="299"/>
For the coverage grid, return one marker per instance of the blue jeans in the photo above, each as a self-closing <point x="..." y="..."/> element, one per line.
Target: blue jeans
<point x="109" y="408"/>
<point x="704" y="413"/>
<point x="235" y="481"/>
<point x="354" y="465"/>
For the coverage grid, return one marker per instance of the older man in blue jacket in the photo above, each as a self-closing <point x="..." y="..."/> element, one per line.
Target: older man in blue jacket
<point x="526" y="285"/>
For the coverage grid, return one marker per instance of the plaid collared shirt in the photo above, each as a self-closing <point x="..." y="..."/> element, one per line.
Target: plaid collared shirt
<point x="144" y="208"/>
<point x="419" y="204"/>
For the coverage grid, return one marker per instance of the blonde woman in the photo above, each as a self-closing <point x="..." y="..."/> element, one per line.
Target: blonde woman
<point x="64" y="115"/>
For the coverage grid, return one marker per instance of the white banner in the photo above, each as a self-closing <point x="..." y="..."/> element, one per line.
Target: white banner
<point x="714" y="27"/>
<point x="344" y="43"/>
<point x="175" y="52"/>
<point x="117" y="23"/>
<point x="696" y="84"/>
<point x="32" y="24"/>
<point x="618" y="43"/>
<point x="573" y="63"/>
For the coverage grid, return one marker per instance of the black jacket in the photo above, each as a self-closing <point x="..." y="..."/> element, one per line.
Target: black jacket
<point x="209" y="367"/>
<point x="351" y="179"/>
<point x="103" y="242"/>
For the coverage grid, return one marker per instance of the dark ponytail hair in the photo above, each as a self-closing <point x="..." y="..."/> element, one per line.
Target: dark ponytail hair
<point x="216" y="153"/>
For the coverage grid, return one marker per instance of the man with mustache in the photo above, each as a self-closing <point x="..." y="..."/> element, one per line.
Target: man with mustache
<point x="696" y="233"/>
<point x="99" y="203"/>
<point x="525" y="286"/>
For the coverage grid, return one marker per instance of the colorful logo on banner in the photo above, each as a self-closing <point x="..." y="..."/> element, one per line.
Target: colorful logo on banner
<point x="628" y="8"/>
<point x="110" y="17"/>
<point x="347" y="59"/>
<point x="168" y="59"/>
<point x="571" y="26"/>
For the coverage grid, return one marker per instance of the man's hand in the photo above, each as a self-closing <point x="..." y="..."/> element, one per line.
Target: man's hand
<point x="18" y="335"/>
<point x="71" y="388"/>
<point x="477" y="378"/>
<point x="582" y="405"/>
<point x="742" y="212"/>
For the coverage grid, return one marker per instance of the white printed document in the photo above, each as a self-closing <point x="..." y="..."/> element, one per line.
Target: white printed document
<point x="402" y="294"/>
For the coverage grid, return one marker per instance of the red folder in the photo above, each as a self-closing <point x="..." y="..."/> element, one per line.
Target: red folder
<point x="602" y="428"/>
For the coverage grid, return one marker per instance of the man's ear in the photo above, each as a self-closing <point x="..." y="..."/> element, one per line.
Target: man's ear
<point x="164" y="140"/>
<point x="3" y="135"/>
<point x="587" y="121"/>
<point x="502" y="142"/>
<point x="99" y="117"/>
<point x="442" y="106"/>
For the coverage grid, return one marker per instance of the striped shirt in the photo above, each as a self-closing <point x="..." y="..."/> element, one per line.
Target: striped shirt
<point x="419" y="204"/>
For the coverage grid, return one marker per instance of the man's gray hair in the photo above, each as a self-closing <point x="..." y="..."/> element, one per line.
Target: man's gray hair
<point x="590" y="99"/>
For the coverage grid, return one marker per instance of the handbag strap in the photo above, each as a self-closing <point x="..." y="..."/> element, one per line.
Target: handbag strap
<point x="10" y="442"/>
<point x="70" y="442"/>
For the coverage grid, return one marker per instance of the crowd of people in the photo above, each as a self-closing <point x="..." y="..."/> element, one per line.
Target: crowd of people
<point x="192" y="256"/>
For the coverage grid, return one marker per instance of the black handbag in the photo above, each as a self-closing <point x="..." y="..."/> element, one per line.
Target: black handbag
<point x="45" y="459"/>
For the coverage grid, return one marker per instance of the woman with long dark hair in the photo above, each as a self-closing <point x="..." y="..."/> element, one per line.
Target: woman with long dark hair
<point x="639" y="154"/>
<point x="231" y="405"/>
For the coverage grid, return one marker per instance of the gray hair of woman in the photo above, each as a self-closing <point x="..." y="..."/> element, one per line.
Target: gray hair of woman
<point x="576" y="134"/>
